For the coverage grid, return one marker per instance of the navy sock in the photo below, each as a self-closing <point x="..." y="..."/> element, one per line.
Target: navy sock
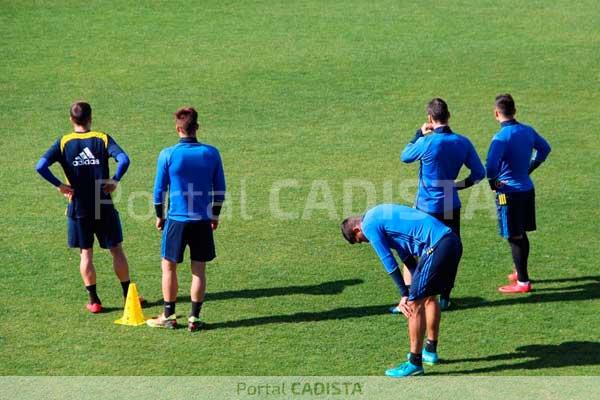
<point x="520" y="253"/>
<point x="416" y="359"/>
<point x="125" y="287"/>
<point x="431" y="346"/>
<point x="169" y="308"/>
<point x="92" y="294"/>
<point x="196" y="308"/>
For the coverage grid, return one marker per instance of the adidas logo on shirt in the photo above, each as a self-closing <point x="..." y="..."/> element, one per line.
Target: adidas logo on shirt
<point x="85" y="158"/>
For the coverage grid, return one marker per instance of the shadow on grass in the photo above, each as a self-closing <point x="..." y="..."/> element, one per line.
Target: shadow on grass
<point x="325" y="288"/>
<point x="580" y="292"/>
<point x="538" y="357"/>
<point x="329" y="315"/>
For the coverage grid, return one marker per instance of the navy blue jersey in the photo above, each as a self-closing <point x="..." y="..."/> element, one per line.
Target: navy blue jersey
<point x="193" y="175"/>
<point x="84" y="160"/>
<point x="510" y="155"/>
<point x="408" y="231"/>
<point x="442" y="154"/>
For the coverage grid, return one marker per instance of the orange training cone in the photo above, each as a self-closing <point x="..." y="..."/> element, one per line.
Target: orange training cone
<point x="132" y="314"/>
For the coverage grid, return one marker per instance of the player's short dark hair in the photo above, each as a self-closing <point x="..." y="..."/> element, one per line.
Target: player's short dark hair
<point x="186" y="118"/>
<point x="81" y="112"/>
<point x="505" y="104"/>
<point x="438" y="110"/>
<point x="348" y="226"/>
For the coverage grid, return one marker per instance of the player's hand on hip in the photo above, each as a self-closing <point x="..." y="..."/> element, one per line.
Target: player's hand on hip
<point x="214" y="224"/>
<point x="160" y="223"/>
<point x="66" y="190"/>
<point x="405" y="307"/>
<point x="110" y="186"/>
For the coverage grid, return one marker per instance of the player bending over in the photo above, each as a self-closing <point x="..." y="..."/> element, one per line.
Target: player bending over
<point x="192" y="173"/>
<point x="412" y="233"/>
<point x="509" y="164"/>
<point x="83" y="156"/>
<point x="442" y="153"/>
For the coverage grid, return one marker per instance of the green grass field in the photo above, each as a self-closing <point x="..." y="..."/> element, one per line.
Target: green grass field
<point x="307" y="90"/>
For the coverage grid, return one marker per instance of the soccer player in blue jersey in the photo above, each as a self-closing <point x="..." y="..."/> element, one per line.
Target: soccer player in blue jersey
<point x="83" y="156"/>
<point x="516" y="150"/>
<point x="192" y="173"/>
<point x="442" y="153"/>
<point x="411" y="233"/>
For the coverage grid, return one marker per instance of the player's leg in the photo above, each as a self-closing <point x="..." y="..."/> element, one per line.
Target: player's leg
<point x="452" y="221"/>
<point x="121" y="267"/>
<point x="432" y="318"/>
<point x="202" y="249"/>
<point x="416" y="332"/>
<point x="172" y="248"/>
<point x="81" y="235"/>
<point x="110" y="236"/>
<point x="88" y="274"/>
<point x="197" y="291"/>
<point x="520" y="218"/>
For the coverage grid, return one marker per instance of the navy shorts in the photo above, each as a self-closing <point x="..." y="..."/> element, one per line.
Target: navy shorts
<point x="516" y="213"/>
<point x="436" y="271"/>
<point x="198" y="235"/>
<point x="450" y="219"/>
<point x="107" y="229"/>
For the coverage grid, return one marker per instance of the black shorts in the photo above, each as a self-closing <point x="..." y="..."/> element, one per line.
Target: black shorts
<point x="451" y="219"/>
<point x="198" y="235"/>
<point x="81" y="231"/>
<point x="436" y="271"/>
<point x="516" y="213"/>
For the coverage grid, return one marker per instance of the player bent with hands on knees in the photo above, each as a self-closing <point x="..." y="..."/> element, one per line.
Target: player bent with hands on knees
<point x="412" y="233"/>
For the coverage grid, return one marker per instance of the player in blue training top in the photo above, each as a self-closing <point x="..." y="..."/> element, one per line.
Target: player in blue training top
<point x="442" y="153"/>
<point x="83" y="156"/>
<point x="412" y="233"/>
<point x="510" y="161"/>
<point x="192" y="173"/>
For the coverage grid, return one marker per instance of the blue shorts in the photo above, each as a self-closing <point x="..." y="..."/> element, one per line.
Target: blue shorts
<point x="436" y="271"/>
<point x="198" y="235"/>
<point x="516" y="213"/>
<point x="81" y="231"/>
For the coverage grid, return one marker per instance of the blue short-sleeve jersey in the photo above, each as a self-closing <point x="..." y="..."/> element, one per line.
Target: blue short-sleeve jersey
<point x="408" y="231"/>
<point x="441" y="154"/>
<point x="192" y="174"/>
<point x="510" y="155"/>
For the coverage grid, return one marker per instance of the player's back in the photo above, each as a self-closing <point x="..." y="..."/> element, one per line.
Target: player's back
<point x="446" y="153"/>
<point x="84" y="158"/>
<point x="192" y="167"/>
<point x="408" y="229"/>
<point x="512" y="148"/>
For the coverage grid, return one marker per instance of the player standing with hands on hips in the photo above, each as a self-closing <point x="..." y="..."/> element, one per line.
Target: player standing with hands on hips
<point x="509" y="164"/>
<point x="83" y="156"/>
<point x="192" y="173"/>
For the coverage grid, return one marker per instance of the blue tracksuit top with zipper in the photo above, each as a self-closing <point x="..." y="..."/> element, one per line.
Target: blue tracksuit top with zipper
<point x="192" y="173"/>
<point x="408" y="231"/>
<point x="442" y="154"/>
<point x="510" y="155"/>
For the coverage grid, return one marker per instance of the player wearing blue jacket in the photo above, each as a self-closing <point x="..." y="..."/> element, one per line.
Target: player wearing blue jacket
<point x="83" y="156"/>
<point x="411" y="233"/>
<point x="516" y="150"/>
<point x="192" y="174"/>
<point x="442" y="153"/>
